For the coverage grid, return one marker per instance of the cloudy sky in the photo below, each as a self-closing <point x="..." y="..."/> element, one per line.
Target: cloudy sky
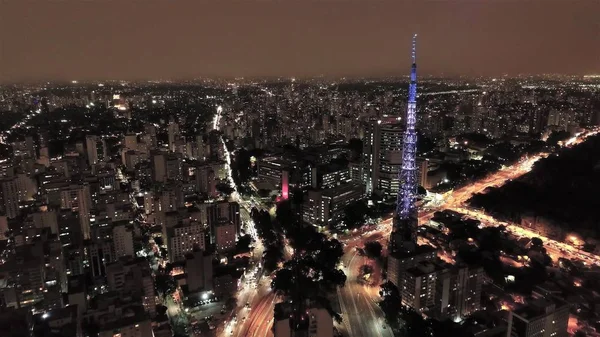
<point x="153" y="39"/>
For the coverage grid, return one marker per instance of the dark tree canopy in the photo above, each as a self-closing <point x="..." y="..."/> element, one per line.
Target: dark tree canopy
<point x="373" y="249"/>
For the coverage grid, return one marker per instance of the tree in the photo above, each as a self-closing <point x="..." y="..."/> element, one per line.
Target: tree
<point x="373" y="249"/>
<point x="537" y="242"/>
<point x="356" y="146"/>
<point x="161" y="310"/>
<point x="283" y="281"/>
<point x="356" y="213"/>
<point x="557" y="136"/>
<point x="284" y="214"/>
<point x="224" y="188"/>
<point x="390" y="304"/>
<point x="271" y="258"/>
<point x="366" y="269"/>
<point x="165" y="284"/>
<point x="243" y="244"/>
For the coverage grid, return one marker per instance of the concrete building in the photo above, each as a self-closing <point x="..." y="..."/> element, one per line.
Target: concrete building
<point x="544" y="316"/>
<point x="329" y="176"/>
<point x="96" y="149"/>
<point x="173" y="131"/>
<point x="325" y="206"/>
<point x="26" y="187"/>
<point x="78" y="199"/>
<point x="225" y="235"/>
<point x="159" y="167"/>
<point x="9" y="197"/>
<point x="133" y="277"/>
<point x="3" y="227"/>
<point x="128" y="322"/>
<point x="400" y="261"/>
<point x="459" y="291"/>
<point x="206" y="181"/>
<point x="382" y="156"/>
<point x="220" y="212"/>
<point x="46" y="219"/>
<point x="123" y="241"/>
<point x="418" y="287"/>
<point x="312" y="322"/>
<point x="183" y="239"/>
<point x="199" y="270"/>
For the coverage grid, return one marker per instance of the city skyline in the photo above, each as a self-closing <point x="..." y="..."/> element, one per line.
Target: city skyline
<point x="98" y="41"/>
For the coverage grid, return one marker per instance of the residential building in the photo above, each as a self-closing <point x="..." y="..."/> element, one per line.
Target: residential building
<point x="543" y="316"/>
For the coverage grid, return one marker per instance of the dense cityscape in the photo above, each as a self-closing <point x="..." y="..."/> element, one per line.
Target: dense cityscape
<point x="315" y="206"/>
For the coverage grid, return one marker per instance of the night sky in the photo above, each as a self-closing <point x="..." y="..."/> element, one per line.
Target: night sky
<point x="172" y="39"/>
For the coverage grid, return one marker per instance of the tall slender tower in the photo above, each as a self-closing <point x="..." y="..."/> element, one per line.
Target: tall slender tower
<point x="404" y="232"/>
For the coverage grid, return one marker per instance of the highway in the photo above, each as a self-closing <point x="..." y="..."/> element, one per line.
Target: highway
<point x="358" y="300"/>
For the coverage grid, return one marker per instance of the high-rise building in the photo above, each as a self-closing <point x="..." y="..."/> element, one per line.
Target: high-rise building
<point x="418" y="287"/>
<point x="159" y="167"/>
<point x="544" y="316"/>
<point x="173" y="167"/>
<point x="3" y="227"/>
<point x="78" y="199"/>
<point x="123" y="241"/>
<point x="328" y="176"/>
<point x="223" y="211"/>
<point x="199" y="270"/>
<point x="225" y="235"/>
<point x="173" y="130"/>
<point x="130" y="142"/>
<point x="96" y="149"/>
<point x="46" y="219"/>
<point x="206" y="181"/>
<point x="184" y="238"/>
<point x="9" y="197"/>
<point x="458" y="291"/>
<point x="200" y="150"/>
<point x="101" y="253"/>
<point x="324" y="206"/>
<point x="382" y="156"/>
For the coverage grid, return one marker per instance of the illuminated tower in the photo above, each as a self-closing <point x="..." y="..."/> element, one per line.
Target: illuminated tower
<point x="404" y="232"/>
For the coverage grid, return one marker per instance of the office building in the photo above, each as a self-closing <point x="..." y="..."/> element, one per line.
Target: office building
<point x="382" y="156"/>
<point x="329" y="176"/>
<point x="324" y="206"/>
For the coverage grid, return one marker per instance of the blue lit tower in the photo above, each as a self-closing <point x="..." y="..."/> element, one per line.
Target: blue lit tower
<point x="404" y="232"/>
